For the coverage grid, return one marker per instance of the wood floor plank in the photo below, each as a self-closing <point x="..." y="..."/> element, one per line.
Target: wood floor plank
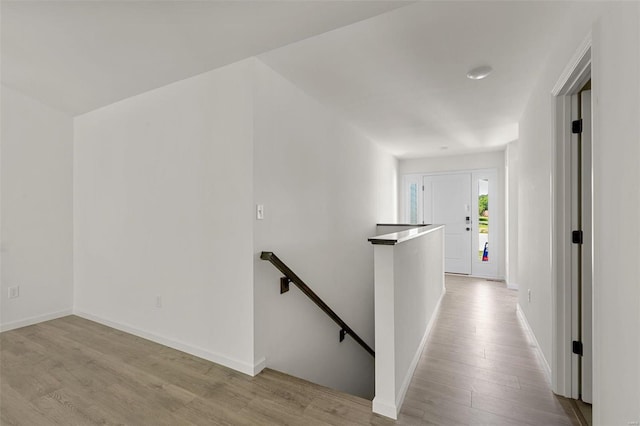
<point x="515" y="366"/>
<point x="426" y="390"/>
<point x="478" y="348"/>
<point x="446" y="413"/>
<point x="206" y="412"/>
<point x="468" y="371"/>
<point x="478" y="367"/>
<point x="268" y="411"/>
<point x="518" y="412"/>
<point x="65" y="407"/>
<point x="22" y="411"/>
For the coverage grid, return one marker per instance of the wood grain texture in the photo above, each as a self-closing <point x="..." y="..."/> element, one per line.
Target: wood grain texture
<point x="477" y="368"/>
<point x="72" y="371"/>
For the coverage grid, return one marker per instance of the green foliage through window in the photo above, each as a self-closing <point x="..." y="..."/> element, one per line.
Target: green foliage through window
<point x="483" y="204"/>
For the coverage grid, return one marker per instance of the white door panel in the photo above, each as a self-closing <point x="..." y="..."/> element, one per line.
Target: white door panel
<point x="456" y="247"/>
<point x="447" y="201"/>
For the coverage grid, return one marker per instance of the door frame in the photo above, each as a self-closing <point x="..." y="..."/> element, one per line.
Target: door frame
<point x="490" y="268"/>
<point x="498" y="236"/>
<point x="564" y="364"/>
<point x="586" y="254"/>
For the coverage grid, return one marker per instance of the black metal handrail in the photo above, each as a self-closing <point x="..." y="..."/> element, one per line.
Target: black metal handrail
<point x="290" y="276"/>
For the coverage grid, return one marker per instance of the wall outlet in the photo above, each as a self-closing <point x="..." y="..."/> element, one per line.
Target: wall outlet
<point x="14" y="292"/>
<point x="260" y="211"/>
<point x="529" y="295"/>
<point x="158" y="301"/>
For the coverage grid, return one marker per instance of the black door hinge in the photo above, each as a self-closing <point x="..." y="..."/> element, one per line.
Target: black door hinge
<point x="576" y="237"/>
<point x="576" y="126"/>
<point x="577" y="348"/>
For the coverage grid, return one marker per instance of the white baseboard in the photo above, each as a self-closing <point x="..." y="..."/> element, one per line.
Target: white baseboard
<point x="234" y="364"/>
<point x="525" y="323"/>
<point x="384" y="409"/>
<point x="34" y="320"/>
<point x="512" y="285"/>
<point x="392" y="410"/>
<point x="259" y="366"/>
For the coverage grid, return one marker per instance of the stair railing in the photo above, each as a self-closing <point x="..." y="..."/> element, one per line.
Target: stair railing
<point x="291" y="277"/>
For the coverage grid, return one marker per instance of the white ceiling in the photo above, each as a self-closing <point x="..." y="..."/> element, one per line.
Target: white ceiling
<point x="401" y="76"/>
<point x="396" y="70"/>
<point x="81" y="55"/>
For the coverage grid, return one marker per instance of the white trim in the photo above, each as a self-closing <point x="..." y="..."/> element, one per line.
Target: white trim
<point x="578" y="62"/>
<point x="416" y="357"/>
<point x="560" y="253"/>
<point x="234" y="364"/>
<point x="384" y="409"/>
<point x="496" y="241"/>
<point x="34" y="320"/>
<point x="512" y="285"/>
<point x="574" y="76"/>
<point x="259" y="366"/>
<point x="532" y="336"/>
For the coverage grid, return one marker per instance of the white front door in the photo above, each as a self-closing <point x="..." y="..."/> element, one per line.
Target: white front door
<point x="447" y="200"/>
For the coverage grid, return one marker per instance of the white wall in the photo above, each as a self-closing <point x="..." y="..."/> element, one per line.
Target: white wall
<point x="324" y="187"/>
<point x="37" y="202"/>
<point x="164" y="208"/>
<point x="616" y="93"/>
<point x="615" y="71"/>
<point x="536" y="153"/>
<point x="511" y="215"/>
<point x="165" y="190"/>
<point x="535" y="212"/>
<point x="409" y="285"/>
<point x="453" y="163"/>
<point x="383" y="229"/>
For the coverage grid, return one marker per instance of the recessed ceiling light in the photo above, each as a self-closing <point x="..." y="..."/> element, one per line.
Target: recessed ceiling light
<point x="479" y="73"/>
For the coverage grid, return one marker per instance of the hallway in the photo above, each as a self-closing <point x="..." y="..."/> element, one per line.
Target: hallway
<point x="479" y="366"/>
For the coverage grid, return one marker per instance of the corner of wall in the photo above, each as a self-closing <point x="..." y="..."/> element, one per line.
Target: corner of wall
<point x="319" y="180"/>
<point x="36" y="210"/>
<point x="179" y="155"/>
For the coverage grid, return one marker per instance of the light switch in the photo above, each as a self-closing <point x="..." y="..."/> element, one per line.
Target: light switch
<point x="260" y="211"/>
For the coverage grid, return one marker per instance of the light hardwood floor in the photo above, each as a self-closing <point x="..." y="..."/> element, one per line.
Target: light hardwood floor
<point x="477" y="368"/>
<point x="71" y="371"/>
